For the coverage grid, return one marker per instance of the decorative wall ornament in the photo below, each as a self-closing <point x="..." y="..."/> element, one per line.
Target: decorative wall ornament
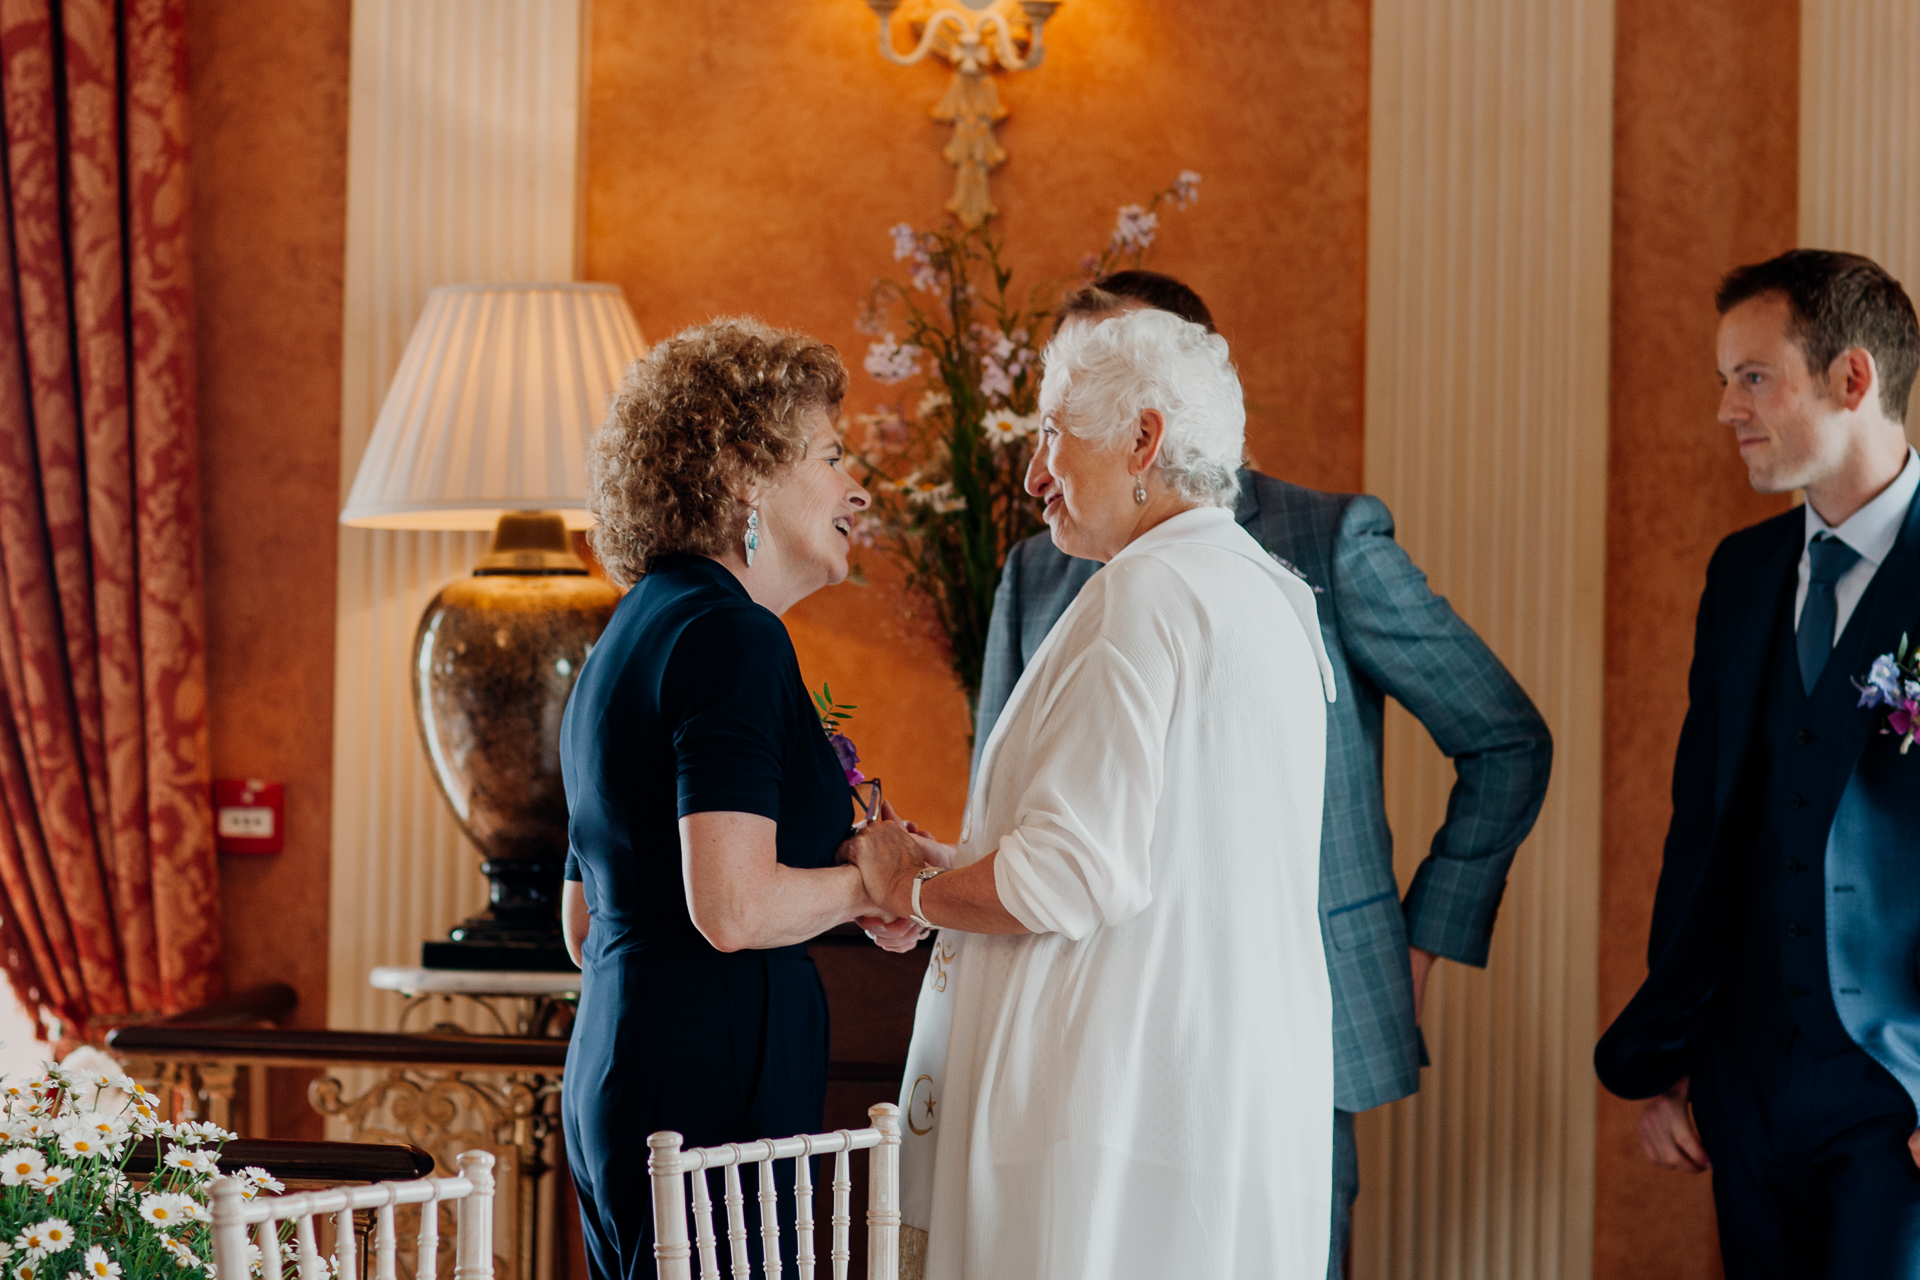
<point x="975" y="38"/>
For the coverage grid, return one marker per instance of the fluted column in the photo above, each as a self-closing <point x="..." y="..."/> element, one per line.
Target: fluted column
<point x="1486" y="432"/>
<point x="462" y="166"/>
<point x="1859" y="130"/>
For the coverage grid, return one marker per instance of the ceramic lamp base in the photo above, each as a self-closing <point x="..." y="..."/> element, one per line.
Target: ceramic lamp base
<point x="495" y="659"/>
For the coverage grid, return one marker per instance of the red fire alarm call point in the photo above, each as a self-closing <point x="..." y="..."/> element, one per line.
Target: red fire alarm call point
<point x="249" y="816"/>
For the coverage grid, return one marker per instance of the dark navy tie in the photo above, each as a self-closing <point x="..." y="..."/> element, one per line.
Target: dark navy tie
<point x="1831" y="559"/>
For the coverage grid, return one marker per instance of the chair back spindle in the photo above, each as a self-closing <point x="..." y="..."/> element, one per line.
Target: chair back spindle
<point x="737" y="1220"/>
<point x="670" y="1165"/>
<point x="472" y="1190"/>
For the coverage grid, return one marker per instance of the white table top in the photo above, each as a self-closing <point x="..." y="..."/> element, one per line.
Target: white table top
<point x="474" y="982"/>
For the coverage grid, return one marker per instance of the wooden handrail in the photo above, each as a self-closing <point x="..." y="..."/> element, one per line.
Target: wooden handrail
<point x="329" y="1048"/>
<point x="268" y="1002"/>
<point x="307" y="1161"/>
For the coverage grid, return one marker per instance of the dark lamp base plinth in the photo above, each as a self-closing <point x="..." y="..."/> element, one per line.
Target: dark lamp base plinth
<point x="496" y="957"/>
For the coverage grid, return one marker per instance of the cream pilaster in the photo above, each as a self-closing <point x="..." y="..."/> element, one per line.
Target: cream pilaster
<point x="462" y="166"/>
<point x="1859" y="127"/>
<point x="1487" y="411"/>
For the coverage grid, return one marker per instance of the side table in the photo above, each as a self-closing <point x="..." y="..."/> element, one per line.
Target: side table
<point x="542" y="1003"/>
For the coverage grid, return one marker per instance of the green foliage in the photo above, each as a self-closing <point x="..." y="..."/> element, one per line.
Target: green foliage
<point x="832" y="714"/>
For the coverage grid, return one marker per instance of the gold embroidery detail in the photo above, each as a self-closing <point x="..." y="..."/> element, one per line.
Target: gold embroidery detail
<point x="943" y="955"/>
<point x="913" y="1101"/>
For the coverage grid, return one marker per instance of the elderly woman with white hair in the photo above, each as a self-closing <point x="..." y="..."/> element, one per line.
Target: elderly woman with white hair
<point x="1123" y="1058"/>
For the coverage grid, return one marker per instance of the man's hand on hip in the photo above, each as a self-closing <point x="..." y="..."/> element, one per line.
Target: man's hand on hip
<point x="1667" y="1134"/>
<point x="1422" y="966"/>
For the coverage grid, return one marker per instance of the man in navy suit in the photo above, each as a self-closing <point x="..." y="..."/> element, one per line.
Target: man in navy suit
<point x="1777" y="1034"/>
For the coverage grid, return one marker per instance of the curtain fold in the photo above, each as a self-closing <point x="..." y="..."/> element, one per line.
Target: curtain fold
<point x="108" y="891"/>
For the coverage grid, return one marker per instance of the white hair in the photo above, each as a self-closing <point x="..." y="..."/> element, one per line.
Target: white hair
<point x="1100" y="377"/>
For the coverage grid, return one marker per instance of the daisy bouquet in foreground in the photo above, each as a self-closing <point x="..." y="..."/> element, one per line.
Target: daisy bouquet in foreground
<point x="1894" y="683"/>
<point x="68" y="1210"/>
<point x="947" y="462"/>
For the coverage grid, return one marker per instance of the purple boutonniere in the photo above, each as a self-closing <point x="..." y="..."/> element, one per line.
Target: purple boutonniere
<point x="1894" y="683"/>
<point x="831" y="715"/>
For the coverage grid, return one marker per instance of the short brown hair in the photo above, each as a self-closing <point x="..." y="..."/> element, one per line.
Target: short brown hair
<point x="706" y="408"/>
<point x="1152" y="289"/>
<point x="1838" y="301"/>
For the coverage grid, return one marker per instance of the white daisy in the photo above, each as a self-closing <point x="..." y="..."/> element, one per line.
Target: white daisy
<point x="54" y="1177"/>
<point x="28" y="1270"/>
<point x="1004" y="427"/>
<point x="37" y="1240"/>
<point x="191" y="1161"/>
<point x="262" y="1179"/>
<point x="22" y="1164"/>
<point x="98" y="1266"/>
<point x="83" y="1144"/>
<point x="166" y="1209"/>
<point x="59" y="1235"/>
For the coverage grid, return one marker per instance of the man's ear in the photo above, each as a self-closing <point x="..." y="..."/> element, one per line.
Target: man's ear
<point x="1853" y="376"/>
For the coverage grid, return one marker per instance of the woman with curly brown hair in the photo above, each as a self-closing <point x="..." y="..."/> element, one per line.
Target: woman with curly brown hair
<point x="705" y="804"/>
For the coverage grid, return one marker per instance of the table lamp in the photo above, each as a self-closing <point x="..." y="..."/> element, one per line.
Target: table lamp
<point x="486" y="426"/>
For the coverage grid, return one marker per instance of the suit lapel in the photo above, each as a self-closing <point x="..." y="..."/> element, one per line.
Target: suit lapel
<point x="1742" y="655"/>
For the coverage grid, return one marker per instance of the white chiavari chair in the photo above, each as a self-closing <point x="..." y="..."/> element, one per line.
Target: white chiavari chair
<point x="233" y="1213"/>
<point x="670" y="1167"/>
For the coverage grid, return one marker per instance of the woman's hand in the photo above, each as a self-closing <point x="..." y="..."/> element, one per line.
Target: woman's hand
<point x="888" y="856"/>
<point x="897" y="936"/>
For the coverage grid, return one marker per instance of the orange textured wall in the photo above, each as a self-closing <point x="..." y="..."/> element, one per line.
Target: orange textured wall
<point x="745" y="157"/>
<point x="269" y="101"/>
<point x="1705" y="178"/>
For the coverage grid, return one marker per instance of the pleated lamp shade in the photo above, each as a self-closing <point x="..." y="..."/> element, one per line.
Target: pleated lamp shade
<point x="499" y="391"/>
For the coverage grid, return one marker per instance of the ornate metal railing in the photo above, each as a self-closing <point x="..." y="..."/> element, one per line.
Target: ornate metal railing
<point x="442" y="1093"/>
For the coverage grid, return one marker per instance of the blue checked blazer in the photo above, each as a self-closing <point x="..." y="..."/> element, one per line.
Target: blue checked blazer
<point x="1387" y="635"/>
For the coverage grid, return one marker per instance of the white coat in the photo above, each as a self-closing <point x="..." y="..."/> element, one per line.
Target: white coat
<point x="1142" y="1087"/>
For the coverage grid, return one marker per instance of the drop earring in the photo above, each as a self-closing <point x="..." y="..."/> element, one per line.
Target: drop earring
<point x="1140" y="489"/>
<point x="753" y="532"/>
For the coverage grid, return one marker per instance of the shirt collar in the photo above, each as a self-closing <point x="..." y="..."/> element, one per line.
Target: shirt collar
<point x="1177" y="528"/>
<point x="1874" y="528"/>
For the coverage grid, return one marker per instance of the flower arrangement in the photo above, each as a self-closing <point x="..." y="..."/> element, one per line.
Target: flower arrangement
<point x="948" y="474"/>
<point x="1894" y="683"/>
<point x="68" y="1210"/>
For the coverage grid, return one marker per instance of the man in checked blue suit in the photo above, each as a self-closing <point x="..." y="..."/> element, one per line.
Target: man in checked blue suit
<point x="1777" y="1033"/>
<point x="1387" y="636"/>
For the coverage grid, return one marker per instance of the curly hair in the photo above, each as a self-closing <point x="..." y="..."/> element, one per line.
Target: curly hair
<point x="710" y="407"/>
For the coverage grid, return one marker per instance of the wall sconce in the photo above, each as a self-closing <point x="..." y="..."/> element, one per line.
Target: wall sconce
<point x="975" y="38"/>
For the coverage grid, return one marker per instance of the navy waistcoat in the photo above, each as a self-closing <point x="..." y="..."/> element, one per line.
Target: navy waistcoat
<point x="1777" y="981"/>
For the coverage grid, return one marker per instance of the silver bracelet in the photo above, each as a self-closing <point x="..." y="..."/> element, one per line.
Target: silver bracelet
<point x="925" y="874"/>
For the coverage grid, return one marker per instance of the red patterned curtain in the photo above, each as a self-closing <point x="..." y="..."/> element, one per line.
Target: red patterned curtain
<point x="109" y="903"/>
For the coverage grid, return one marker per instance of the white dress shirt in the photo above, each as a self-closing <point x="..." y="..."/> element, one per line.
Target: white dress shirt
<point x="1871" y="531"/>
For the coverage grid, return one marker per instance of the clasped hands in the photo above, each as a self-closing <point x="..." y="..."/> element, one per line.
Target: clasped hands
<point x="889" y="852"/>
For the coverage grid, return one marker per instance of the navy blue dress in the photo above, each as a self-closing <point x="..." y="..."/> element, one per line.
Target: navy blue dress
<point x="691" y="702"/>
